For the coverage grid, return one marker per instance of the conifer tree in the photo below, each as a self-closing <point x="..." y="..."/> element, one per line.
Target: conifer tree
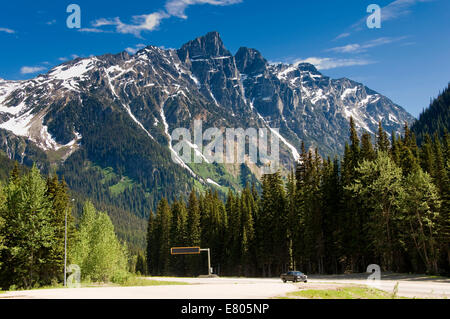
<point x="179" y="236"/>
<point x="151" y="245"/>
<point x="28" y="231"/>
<point x="163" y="224"/>
<point x="367" y="151"/>
<point x="141" y="267"/>
<point x="194" y="233"/>
<point x="427" y="155"/>
<point x="382" y="139"/>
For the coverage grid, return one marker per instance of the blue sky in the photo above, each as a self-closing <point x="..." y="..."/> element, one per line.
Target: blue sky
<point x="407" y="59"/>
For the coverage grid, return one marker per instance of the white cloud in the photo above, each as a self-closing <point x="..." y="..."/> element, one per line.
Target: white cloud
<point x="150" y="22"/>
<point x="145" y="22"/>
<point x="92" y="30"/>
<point x="333" y="63"/>
<point x="342" y="35"/>
<point x="135" y="49"/>
<point x="10" y="31"/>
<point x="392" y="11"/>
<point x="398" y="8"/>
<point x="358" y="48"/>
<point x="72" y="56"/>
<point x="177" y="8"/>
<point x="31" y="69"/>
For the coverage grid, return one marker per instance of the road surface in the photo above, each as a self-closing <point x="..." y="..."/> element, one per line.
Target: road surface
<point x="239" y="288"/>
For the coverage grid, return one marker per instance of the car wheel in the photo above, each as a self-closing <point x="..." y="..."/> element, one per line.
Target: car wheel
<point x="295" y="279"/>
<point x="305" y="281"/>
<point x="284" y="280"/>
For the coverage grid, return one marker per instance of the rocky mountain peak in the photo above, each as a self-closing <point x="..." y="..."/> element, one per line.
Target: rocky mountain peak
<point x="250" y="61"/>
<point x="308" y="67"/>
<point x="204" y="47"/>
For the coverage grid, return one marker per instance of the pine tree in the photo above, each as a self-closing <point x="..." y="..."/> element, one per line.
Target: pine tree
<point x="152" y="245"/>
<point x="179" y="236"/>
<point x="272" y="236"/>
<point x="351" y="219"/>
<point x="440" y="173"/>
<point x="194" y="232"/>
<point x="354" y="144"/>
<point x="163" y="224"/>
<point x="15" y="174"/>
<point x="247" y="225"/>
<point x="427" y="155"/>
<point x="28" y="231"/>
<point x="141" y="267"/>
<point x="2" y="224"/>
<point x="367" y="151"/>
<point x="382" y="139"/>
<point x="57" y="193"/>
<point x="396" y="148"/>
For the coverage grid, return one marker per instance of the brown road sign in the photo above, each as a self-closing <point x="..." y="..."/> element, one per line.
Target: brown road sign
<point x="185" y="251"/>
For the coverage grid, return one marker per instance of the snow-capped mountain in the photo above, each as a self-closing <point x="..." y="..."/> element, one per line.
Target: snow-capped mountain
<point x="71" y="108"/>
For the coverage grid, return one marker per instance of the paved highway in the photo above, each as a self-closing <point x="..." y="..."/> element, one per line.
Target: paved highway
<point x="239" y="288"/>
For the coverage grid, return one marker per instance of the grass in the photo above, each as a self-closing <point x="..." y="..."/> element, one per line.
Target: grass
<point x="131" y="281"/>
<point x="219" y="174"/>
<point x="353" y="292"/>
<point x="119" y="188"/>
<point x="139" y="282"/>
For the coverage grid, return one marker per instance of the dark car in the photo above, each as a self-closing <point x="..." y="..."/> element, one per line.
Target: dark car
<point x="294" y="276"/>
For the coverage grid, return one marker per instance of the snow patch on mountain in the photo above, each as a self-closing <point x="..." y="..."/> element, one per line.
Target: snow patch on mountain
<point x="64" y="72"/>
<point x="175" y="156"/>
<point x="348" y="92"/>
<point x="19" y="125"/>
<point x="210" y="181"/>
<point x="294" y="151"/>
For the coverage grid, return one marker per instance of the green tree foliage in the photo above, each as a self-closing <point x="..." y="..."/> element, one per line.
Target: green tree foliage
<point x="420" y="218"/>
<point x="97" y="250"/>
<point x="435" y="119"/>
<point x="379" y="188"/>
<point x="141" y="267"/>
<point x="33" y="230"/>
<point x="386" y="204"/>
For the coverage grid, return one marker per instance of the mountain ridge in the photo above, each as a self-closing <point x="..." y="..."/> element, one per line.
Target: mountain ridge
<point x="117" y="111"/>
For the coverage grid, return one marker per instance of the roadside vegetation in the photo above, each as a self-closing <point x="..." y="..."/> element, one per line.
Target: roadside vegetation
<point x="346" y="292"/>
<point x="32" y="235"/>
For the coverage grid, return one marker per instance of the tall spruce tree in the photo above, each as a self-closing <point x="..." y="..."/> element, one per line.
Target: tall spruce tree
<point x="28" y="231"/>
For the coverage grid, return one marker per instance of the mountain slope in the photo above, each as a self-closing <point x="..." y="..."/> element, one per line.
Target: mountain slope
<point x="436" y="118"/>
<point x="105" y="122"/>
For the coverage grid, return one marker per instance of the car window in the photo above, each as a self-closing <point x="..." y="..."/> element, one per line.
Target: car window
<point x="289" y="273"/>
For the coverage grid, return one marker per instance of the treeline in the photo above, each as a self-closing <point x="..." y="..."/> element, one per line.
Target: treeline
<point x="436" y="118"/>
<point x="386" y="202"/>
<point x="32" y="235"/>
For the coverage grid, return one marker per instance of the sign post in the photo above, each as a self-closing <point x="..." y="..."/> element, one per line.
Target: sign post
<point x="192" y="251"/>
<point x="185" y="251"/>
<point x="209" y="260"/>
